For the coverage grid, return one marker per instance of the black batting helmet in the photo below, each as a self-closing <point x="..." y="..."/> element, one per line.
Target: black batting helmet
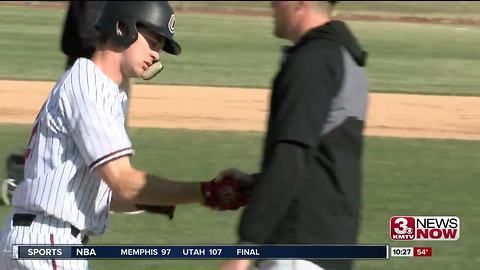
<point x="157" y="16"/>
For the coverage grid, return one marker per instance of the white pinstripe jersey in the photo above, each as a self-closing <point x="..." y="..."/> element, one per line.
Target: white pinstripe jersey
<point x="80" y="126"/>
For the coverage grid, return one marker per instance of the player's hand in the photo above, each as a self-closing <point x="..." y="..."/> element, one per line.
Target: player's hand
<point x="235" y="265"/>
<point x="224" y="194"/>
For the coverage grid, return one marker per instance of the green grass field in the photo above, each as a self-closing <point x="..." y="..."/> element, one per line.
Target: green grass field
<point x="402" y="177"/>
<point x="241" y="52"/>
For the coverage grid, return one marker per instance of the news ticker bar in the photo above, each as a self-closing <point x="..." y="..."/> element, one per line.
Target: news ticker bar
<point x="205" y="252"/>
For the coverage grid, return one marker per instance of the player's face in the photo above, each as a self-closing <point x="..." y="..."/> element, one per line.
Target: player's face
<point x="284" y="18"/>
<point x="142" y="53"/>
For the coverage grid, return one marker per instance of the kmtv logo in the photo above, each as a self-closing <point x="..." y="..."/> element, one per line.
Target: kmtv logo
<point x="424" y="228"/>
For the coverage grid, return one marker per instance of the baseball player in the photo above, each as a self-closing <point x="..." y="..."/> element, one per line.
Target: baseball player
<point x="78" y="158"/>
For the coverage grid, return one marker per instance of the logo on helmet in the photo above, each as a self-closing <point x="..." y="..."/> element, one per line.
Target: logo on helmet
<point x="171" y="24"/>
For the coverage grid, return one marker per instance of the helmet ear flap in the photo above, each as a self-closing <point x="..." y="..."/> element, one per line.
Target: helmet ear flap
<point x="121" y="29"/>
<point x="125" y="33"/>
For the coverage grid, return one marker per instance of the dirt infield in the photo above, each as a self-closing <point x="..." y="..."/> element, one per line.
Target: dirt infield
<point x="209" y="108"/>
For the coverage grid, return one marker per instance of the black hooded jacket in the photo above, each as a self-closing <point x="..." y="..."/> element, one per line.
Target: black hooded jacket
<point x="308" y="190"/>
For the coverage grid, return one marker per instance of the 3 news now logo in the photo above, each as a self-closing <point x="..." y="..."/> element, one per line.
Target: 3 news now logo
<point x="424" y="228"/>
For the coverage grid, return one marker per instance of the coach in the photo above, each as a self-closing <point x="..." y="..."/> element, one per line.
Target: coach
<point x="309" y="187"/>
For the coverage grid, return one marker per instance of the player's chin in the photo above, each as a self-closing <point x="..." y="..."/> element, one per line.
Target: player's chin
<point x="138" y="72"/>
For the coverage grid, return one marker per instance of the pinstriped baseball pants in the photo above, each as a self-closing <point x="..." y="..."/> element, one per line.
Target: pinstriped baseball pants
<point x="43" y="230"/>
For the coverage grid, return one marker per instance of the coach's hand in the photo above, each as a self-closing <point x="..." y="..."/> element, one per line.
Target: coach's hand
<point x="224" y="194"/>
<point x="246" y="180"/>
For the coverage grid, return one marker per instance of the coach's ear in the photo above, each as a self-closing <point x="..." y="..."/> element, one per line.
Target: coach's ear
<point x="121" y="177"/>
